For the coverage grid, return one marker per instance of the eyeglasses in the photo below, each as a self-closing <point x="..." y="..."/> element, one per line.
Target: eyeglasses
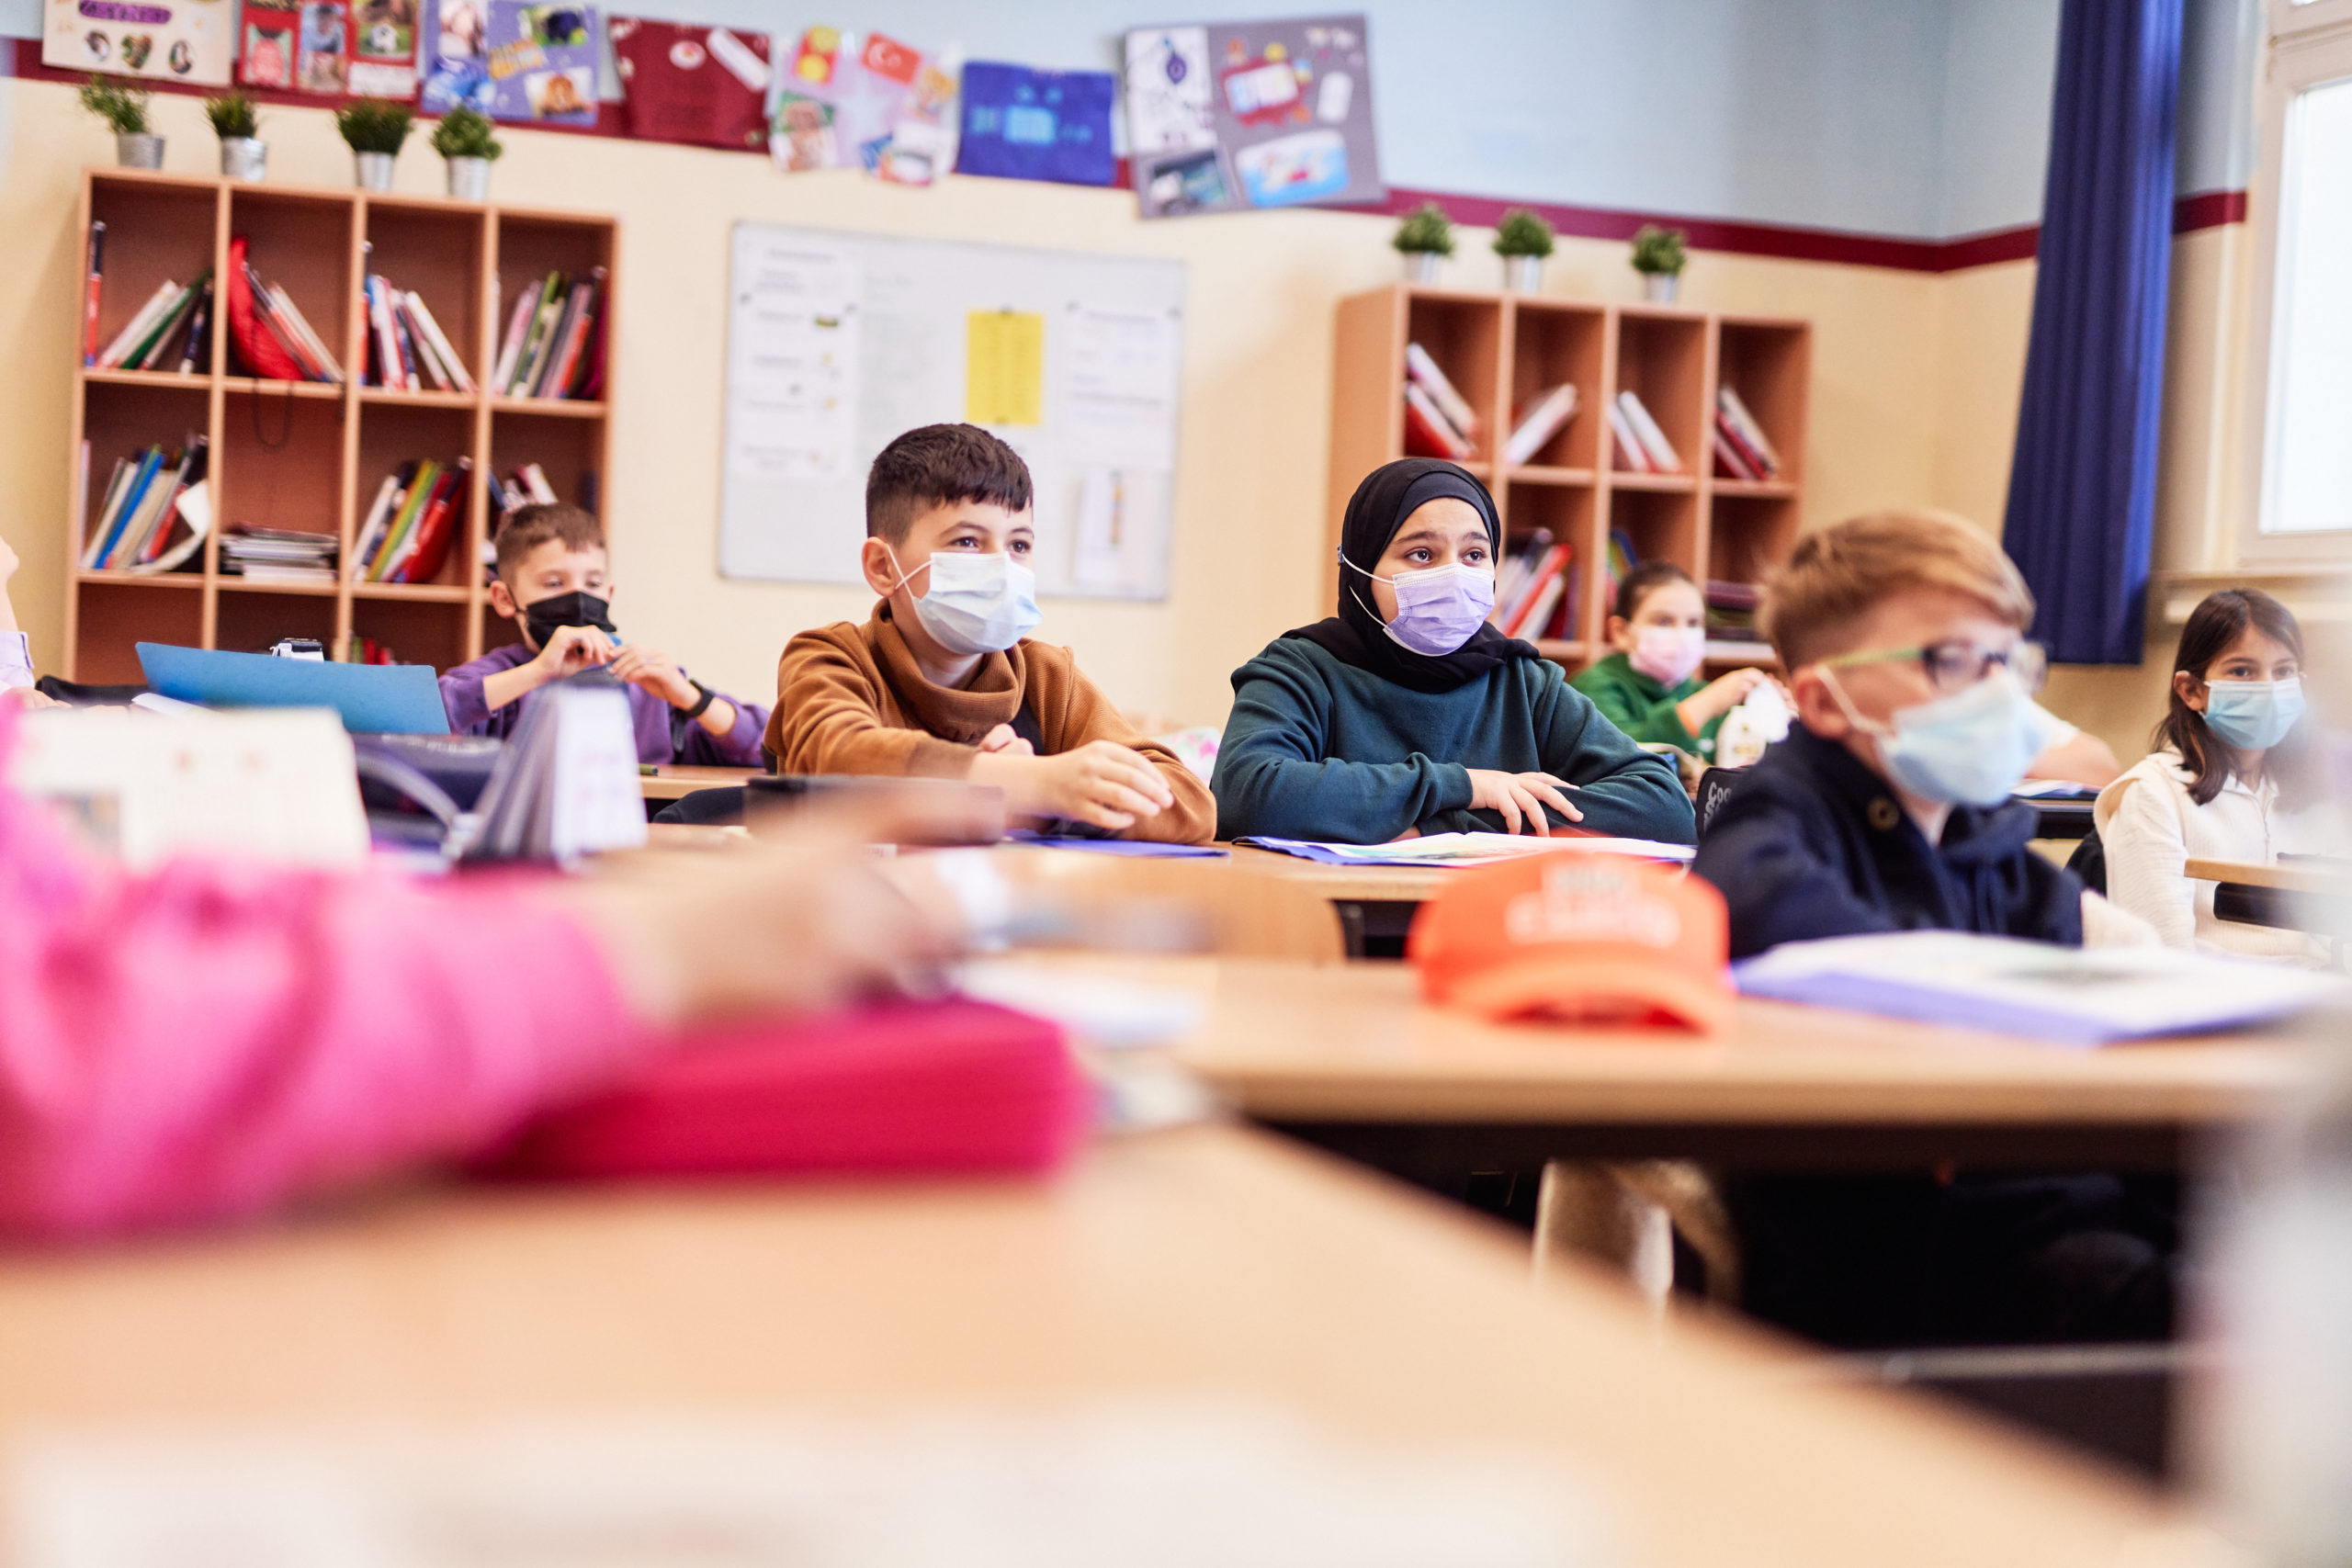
<point x="1958" y="664"/>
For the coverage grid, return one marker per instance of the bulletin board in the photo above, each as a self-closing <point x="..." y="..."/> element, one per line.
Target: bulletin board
<point x="839" y="342"/>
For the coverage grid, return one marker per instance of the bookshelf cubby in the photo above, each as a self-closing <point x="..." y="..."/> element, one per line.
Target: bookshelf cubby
<point x="311" y="455"/>
<point x="1499" y="349"/>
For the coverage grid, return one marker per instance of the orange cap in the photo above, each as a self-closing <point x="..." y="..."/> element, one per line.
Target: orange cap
<point x="1591" y="937"/>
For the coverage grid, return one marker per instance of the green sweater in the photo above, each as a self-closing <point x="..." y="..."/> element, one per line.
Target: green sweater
<point x="1644" y="708"/>
<point x="1316" y="748"/>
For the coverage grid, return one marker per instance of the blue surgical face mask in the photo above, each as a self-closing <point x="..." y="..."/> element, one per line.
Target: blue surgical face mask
<point x="975" y="603"/>
<point x="2254" y="716"/>
<point x="1969" y="748"/>
<point x="1438" y="608"/>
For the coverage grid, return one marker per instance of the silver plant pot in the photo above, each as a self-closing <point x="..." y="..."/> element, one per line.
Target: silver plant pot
<point x="469" y="179"/>
<point x="1659" y="287"/>
<point x="1420" y="266"/>
<point x="1524" y="274"/>
<point x="374" y="170"/>
<point x="139" y="150"/>
<point x="245" y="158"/>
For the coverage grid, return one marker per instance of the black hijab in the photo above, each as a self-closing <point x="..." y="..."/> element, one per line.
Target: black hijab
<point x="1355" y="636"/>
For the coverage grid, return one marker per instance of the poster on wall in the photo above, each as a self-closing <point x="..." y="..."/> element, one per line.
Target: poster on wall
<point x="704" y="85"/>
<point x="456" y="56"/>
<point x="542" y="61"/>
<point x="175" y="41"/>
<point x="1025" y="124"/>
<point x="1230" y="115"/>
<point x="268" y="47"/>
<point x="322" y="57"/>
<point x="870" y="103"/>
<point x="383" y="54"/>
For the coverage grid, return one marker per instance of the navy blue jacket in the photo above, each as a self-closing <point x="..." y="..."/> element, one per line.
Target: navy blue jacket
<point x="1812" y="843"/>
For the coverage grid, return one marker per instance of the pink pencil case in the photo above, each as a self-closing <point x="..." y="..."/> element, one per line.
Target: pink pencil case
<point x="955" y="1087"/>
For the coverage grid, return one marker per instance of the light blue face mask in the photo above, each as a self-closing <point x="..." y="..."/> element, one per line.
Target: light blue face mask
<point x="1969" y="748"/>
<point x="975" y="603"/>
<point x="2254" y="716"/>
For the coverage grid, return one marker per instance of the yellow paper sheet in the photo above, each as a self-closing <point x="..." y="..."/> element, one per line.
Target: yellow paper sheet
<point x="1004" y="367"/>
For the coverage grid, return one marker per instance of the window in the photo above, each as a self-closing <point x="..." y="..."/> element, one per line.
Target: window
<point x="2303" y="199"/>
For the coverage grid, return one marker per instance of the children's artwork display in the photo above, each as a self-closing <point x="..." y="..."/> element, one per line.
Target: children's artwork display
<point x="1237" y="115"/>
<point x="456" y="56"/>
<point x="174" y="40"/>
<point x="1024" y="124"/>
<point x="704" y="85"/>
<point x="875" y="104"/>
<point x="838" y="341"/>
<point x="541" y="60"/>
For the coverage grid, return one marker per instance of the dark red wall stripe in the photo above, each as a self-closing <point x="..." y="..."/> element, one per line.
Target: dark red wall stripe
<point x="2202" y="210"/>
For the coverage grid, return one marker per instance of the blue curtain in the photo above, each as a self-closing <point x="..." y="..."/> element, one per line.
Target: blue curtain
<point x="2083" y="487"/>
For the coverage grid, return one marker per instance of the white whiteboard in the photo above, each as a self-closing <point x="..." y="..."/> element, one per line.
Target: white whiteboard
<point x="838" y="341"/>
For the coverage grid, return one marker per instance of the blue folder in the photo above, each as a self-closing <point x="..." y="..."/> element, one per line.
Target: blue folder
<point x="374" y="699"/>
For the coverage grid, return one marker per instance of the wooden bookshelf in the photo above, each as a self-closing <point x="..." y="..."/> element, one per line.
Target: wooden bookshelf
<point x="1499" y="349"/>
<point x="311" y="455"/>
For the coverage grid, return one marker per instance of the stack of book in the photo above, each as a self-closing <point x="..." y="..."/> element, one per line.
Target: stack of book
<point x="1536" y="592"/>
<point x="1438" y="422"/>
<point x="1731" y="611"/>
<point x="1741" y="450"/>
<point x="275" y="310"/>
<point x="180" y="313"/>
<point x="554" y="345"/>
<point x="133" y="531"/>
<point x="277" y="555"/>
<point x="367" y="650"/>
<point x="526" y="486"/>
<point x="1538" y="419"/>
<point x="1641" y="447"/>
<point x="404" y="340"/>
<point x="412" y="522"/>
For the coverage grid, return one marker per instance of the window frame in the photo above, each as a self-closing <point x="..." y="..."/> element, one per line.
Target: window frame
<point x="2307" y="45"/>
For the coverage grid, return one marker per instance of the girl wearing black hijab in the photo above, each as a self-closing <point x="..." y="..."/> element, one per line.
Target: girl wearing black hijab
<point x="1407" y="712"/>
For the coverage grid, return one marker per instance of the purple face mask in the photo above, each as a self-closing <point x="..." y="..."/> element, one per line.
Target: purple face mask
<point x="1438" y="608"/>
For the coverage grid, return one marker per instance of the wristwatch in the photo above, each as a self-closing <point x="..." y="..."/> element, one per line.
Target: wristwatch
<point x="702" y="707"/>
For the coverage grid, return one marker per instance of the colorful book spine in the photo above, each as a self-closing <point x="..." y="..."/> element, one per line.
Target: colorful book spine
<point x="196" y="350"/>
<point x="93" y="286"/>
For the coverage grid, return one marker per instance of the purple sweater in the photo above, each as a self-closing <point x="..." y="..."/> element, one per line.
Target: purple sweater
<point x="461" y="694"/>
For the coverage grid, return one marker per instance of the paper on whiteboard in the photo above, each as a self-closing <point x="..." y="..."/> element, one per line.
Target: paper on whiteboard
<point x="792" y="373"/>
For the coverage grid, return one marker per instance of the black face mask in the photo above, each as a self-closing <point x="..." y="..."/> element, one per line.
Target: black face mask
<point x="547" y="617"/>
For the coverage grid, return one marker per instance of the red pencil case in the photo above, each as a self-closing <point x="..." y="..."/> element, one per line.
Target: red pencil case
<point x="953" y="1086"/>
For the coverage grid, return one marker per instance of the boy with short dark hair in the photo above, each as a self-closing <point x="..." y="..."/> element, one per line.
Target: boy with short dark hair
<point x="1887" y="808"/>
<point x="554" y="584"/>
<point x="943" y="680"/>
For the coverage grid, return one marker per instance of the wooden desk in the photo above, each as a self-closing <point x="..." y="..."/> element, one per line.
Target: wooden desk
<point x="1208" y="1263"/>
<point x="2288" y="897"/>
<point x="1351" y="1058"/>
<point x="1350" y="884"/>
<point x="672" y="781"/>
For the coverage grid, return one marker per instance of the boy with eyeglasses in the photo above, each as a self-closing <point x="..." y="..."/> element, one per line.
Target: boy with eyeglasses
<point x="1887" y="808"/>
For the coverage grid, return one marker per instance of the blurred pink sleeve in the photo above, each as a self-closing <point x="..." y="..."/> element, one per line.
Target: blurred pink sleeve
<point x="206" y="1041"/>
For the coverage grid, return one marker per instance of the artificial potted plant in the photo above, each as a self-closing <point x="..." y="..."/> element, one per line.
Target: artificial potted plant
<point x="1424" y="238"/>
<point x="234" y="121"/>
<point x="1659" y="255"/>
<point x="1522" y="240"/>
<point x="464" y="140"/>
<point x="135" y="146"/>
<point x="374" y="128"/>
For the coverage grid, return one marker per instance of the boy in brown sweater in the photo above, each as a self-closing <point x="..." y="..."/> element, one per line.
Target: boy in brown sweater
<point x="942" y="682"/>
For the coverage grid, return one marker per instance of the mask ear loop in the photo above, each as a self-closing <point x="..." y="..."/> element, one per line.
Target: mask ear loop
<point x="1877" y="729"/>
<point x="904" y="576"/>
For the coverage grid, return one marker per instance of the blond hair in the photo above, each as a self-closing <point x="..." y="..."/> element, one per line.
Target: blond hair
<point x="1837" y="574"/>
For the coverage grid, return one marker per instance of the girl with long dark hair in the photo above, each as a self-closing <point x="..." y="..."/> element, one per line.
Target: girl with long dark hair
<point x="2232" y="777"/>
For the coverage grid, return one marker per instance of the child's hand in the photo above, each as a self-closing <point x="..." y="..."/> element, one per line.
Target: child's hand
<point x="573" y="649"/>
<point x="25" y="698"/>
<point x="1101" y="782"/>
<point x="1720" y="696"/>
<point x="643" y="667"/>
<point x="1521" y="794"/>
<point x="8" y="562"/>
<point x="1002" y="740"/>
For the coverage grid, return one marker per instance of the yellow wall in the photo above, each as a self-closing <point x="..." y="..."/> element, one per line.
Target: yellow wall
<point x="1915" y="390"/>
